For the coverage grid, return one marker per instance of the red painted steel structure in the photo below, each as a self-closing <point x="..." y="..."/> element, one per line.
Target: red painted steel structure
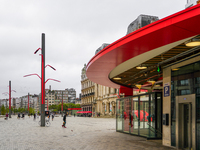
<point x="42" y="82"/>
<point x="172" y="30"/>
<point x="28" y="101"/>
<point x="9" y="94"/>
<point x="74" y="109"/>
<point x="9" y="99"/>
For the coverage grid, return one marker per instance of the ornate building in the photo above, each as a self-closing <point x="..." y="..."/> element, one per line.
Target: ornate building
<point x="105" y="100"/>
<point x="87" y="91"/>
<point x="97" y="98"/>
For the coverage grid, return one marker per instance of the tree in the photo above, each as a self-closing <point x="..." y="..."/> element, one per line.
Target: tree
<point x="31" y="110"/>
<point x="55" y="110"/>
<point x="7" y="110"/>
<point x="3" y="110"/>
<point x="53" y="107"/>
<point x="15" y="110"/>
<point x="77" y="106"/>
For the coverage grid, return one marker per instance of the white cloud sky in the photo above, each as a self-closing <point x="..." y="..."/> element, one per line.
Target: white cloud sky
<point x="74" y="29"/>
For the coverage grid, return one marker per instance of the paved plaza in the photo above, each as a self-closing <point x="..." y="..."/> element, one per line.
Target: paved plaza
<point x="81" y="134"/>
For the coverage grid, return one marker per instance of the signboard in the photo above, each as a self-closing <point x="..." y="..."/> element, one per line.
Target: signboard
<point x="166" y="89"/>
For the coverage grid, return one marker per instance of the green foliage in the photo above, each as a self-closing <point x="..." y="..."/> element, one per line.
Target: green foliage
<point x="15" y="110"/>
<point x="31" y="110"/>
<point x="53" y="107"/>
<point x="21" y="110"/>
<point x="38" y="112"/>
<point x="77" y="106"/>
<point x="7" y="110"/>
<point x="3" y="110"/>
<point x="56" y="108"/>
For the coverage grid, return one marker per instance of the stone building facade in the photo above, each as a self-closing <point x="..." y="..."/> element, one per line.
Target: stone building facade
<point x="97" y="98"/>
<point x="105" y="100"/>
<point x="87" y="91"/>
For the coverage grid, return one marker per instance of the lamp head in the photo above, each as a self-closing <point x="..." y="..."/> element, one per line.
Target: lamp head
<point x="37" y="50"/>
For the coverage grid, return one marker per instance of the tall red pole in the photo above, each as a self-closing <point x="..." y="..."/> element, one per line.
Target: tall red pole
<point x="28" y="102"/>
<point x="9" y="99"/>
<point x="43" y="82"/>
<point x="62" y="104"/>
<point x="47" y="104"/>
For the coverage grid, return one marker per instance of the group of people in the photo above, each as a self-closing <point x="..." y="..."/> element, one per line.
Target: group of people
<point x="98" y="114"/>
<point x="49" y="116"/>
<point x="18" y="117"/>
<point x="22" y="116"/>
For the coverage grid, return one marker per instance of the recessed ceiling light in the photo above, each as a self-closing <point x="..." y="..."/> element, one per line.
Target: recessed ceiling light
<point x="117" y="78"/>
<point x="175" y="69"/>
<point x="141" y="67"/>
<point x="193" y="42"/>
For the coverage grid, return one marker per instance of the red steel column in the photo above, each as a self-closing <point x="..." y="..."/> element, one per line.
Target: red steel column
<point x="9" y="99"/>
<point x="28" y="102"/>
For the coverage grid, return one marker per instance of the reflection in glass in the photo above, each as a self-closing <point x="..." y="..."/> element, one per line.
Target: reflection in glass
<point x="126" y="111"/>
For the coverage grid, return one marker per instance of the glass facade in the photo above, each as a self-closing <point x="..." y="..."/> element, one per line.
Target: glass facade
<point x="185" y="81"/>
<point x="140" y="115"/>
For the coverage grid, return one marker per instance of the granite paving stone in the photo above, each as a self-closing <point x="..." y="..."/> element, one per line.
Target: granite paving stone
<point x="82" y="133"/>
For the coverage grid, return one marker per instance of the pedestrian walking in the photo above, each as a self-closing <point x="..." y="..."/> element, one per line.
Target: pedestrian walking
<point x="18" y="116"/>
<point x="52" y="116"/>
<point x="34" y="117"/>
<point x="23" y="115"/>
<point x="64" y="120"/>
<point x="6" y="117"/>
<point x="74" y="115"/>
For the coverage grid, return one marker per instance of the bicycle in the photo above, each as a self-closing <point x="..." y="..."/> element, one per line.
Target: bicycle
<point x="47" y="122"/>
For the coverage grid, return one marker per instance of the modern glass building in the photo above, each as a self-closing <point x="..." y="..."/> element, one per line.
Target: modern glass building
<point x="163" y="59"/>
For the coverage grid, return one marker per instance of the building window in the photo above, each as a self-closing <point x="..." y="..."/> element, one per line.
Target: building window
<point x="183" y="82"/>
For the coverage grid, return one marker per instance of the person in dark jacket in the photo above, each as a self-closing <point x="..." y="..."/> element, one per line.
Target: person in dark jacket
<point x="34" y="116"/>
<point x="52" y="116"/>
<point x="64" y="120"/>
<point x="18" y="115"/>
<point x="23" y="115"/>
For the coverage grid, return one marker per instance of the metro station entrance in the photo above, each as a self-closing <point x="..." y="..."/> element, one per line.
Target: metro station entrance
<point x="186" y="126"/>
<point x="140" y="115"/>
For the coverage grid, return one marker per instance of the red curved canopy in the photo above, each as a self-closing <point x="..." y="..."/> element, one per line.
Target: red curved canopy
<point x="177" y="27"/>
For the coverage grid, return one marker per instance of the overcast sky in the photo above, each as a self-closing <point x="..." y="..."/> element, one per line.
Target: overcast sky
<point x="74" y="29"/>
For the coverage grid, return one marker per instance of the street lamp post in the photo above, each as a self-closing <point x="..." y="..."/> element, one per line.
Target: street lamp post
<point x="42" y="79"/>
<point x="9" y="98"/>
<point x="62" y="105"/>
<point x="28" y="102"/>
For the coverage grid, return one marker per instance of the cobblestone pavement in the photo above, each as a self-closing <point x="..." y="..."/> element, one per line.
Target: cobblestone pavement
<point x="81" y="134"/>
